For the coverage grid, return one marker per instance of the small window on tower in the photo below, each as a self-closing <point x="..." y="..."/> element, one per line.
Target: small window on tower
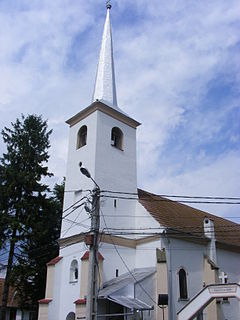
<point x="82" y="137"/>
<point x="74" y="271"/>
<point x="117" y="138"/>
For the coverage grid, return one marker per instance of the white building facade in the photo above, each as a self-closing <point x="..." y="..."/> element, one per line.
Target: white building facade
<point x="150" y="264"/>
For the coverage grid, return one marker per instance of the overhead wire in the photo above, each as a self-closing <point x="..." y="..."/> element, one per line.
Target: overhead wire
<point x="168" y="200"/>
<point x="175" y="196"/>
<point x="126" y="266"/>
<point x="151" y="217"/>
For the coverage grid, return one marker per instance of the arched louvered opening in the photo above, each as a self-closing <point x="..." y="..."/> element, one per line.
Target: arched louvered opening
<point x="74" y="271"/>
<point x="117" y="138"/>
<point x="82" y="137"/>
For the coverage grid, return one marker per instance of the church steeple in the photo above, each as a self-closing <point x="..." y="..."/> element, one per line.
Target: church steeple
<point x="105" y="88"/>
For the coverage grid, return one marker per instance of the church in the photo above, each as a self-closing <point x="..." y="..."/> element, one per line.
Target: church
<point x="157" y="259"/>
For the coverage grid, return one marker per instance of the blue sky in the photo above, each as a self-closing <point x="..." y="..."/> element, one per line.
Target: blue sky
<point x="177" y="72"/>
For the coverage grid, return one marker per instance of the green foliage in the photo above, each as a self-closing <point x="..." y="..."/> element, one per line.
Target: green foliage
<point x="39" y="247"/>
<point x="21" y="170"/>
<point x="29" y="219"/>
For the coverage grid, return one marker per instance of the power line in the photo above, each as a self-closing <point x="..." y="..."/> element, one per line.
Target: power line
<point x="79" y="223"/>
<point x="85" y="197"/>
<point x="151" y="217"/>
<point x="174" y="196"/>
<point x="168" y="200"/>
<point x="73" y="222"/>
<point x="233" y="228"/>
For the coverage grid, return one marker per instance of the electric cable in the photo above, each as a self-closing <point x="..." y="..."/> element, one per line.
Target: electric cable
<point x="126" y="266"/>
<point x="168" y="200"/>
<point x="174" y="196"/>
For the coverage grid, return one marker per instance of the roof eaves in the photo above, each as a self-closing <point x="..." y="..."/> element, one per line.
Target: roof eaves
<point x="98" y="105"/>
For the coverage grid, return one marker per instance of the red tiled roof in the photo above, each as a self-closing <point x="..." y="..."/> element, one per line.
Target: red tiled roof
<point x="54" y="261"/>
<point x="86" y="256"/>
<point x="12" y="297"/>
<point x="81" y="301"/>
<point x="185" y="219"/>
<point x="44" y="301"/>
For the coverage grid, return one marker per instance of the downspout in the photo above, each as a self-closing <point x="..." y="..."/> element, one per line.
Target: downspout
<point x="209" y="232"/>
<point x="167" y="242"/>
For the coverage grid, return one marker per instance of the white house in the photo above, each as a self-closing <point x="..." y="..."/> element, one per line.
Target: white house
<point x="158" y="259"/>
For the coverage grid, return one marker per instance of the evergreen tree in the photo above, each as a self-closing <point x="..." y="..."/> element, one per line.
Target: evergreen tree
<point x="39" y="247"/>
<point x="22" y="193"/>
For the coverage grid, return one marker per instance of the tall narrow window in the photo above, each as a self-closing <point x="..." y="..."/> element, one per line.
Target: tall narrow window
<point x="82" y="137"/>
<point x="74" y="271"/>
<point x="117" y="138"/>
<point x="182" y="284"/>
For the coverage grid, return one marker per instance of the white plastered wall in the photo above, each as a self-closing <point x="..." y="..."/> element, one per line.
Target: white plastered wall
<point x="229" y="262"/>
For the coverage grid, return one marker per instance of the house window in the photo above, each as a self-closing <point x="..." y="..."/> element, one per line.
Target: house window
<point x="117" y="138"/>
<point x="183" y="292"/>
<point x="74" y="271"/>
<point x="82" y="137"/>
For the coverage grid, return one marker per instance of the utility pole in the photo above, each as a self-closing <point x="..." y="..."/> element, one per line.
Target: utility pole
<point x="92" y="293"/>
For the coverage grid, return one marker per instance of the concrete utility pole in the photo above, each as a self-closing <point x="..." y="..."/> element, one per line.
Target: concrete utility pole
<point x="92" y="293"/>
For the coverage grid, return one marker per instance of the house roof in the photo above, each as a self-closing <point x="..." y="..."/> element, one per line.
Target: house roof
<point x="112" y="286"/>
<point x="54" y="261"/>
<point x="86" y="256"/>
<point x="180" y="218"/>
<point x="131" y="303"/>
<point x="12" y="298"/>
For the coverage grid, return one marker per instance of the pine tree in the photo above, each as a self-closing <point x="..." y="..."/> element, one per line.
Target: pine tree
<point x="22" y="192"/>
<point x="39" y="247"/>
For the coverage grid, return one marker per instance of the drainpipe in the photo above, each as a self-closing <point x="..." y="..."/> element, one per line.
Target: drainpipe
<point x="209" y="232"/>
<point x="167" y="242"/>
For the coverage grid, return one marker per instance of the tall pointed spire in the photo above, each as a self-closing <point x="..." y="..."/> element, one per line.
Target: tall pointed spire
<point x="105" y="88"/>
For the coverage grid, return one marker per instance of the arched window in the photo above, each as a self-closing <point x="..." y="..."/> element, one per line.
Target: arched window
<point x="117" y="138"/>
<point x="74" y="271"/>
<point x="82" y="137"/>
<point x="183" y="292"/>
<point x="70" y="316"/>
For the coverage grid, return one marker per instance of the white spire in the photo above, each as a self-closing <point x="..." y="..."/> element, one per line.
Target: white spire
<point x="105" y="88"/>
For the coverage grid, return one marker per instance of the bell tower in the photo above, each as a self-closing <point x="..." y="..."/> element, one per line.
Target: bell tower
<point x="103" y="138"/>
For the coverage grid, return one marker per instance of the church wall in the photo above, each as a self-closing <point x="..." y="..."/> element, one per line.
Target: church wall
<point x="115" y="168"/>
<point x="112" y="260"/>
<point x="120" y="217"/>
<point x="229" y="262"/>
<point x="187" y="255"/>
<point x="116" y="171"/>
<point x="146" y="254"/>
<point x="65" y="291"/>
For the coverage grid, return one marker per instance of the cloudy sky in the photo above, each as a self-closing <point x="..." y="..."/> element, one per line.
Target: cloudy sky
<point x="177" y="72"/>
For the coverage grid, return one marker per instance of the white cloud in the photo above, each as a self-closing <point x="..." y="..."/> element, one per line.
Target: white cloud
<point x="167" y="56"/>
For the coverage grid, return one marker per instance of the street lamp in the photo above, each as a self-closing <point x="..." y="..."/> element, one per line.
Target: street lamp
<point x="86" y="173"/>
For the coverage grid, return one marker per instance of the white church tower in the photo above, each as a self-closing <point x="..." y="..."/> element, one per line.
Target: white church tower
<point x="102" y="138"/>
